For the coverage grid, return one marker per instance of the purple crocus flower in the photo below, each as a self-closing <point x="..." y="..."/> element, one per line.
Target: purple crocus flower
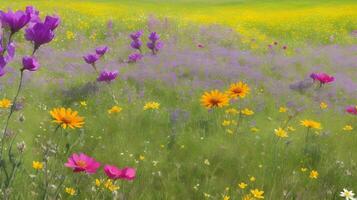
<point x="101" y="50"/>
<point x="136" y="35"/>
<point x="107" y="76"/>
<point x="52" y="22"/>
<point x="154" y="44"/>
<point x="30" y="63"/>
<point x="39" y="34"/>
<point x="91" y="58"/>
<point x="14" y="20"/>
<point x="136" y="44"/>
<point x="134" y="57"/>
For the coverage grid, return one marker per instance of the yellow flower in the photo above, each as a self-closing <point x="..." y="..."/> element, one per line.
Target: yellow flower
<point x="214" y="99"/>
<point x="229" y="131"/>
<point x="110" y="186"/>
<point x="347" y="128"/>
<point x="5" y="103"/>
<point x="311" y="124"/>
<point x="232" y="111"/>
<point x="97" y="182"/>
<point x="226" y="123"/>
<point x="283" y="109"/>
<point x="225" y="197"/>
<point x="323" y="105"/>
<point x="281" y="133"/>
<point x="83" y="103"/>
<point x="247" y="197"/>
<point x="141" y="157"/>
<point x="314" y="174"/>
<point x="242" y="185"/>
<point x="37" y="165"/>
<point x="254" y="129"/>
<point x="247" y="112"/>
<point x="70" y="191"/>
<point x="257" y="194"/>
<point x="114" y="109"/>
<point x="70" y="35"/>
<point x="290" y="128"/>
<point x="151" y="105"/>
<point x="252" y="179"/>
<point x="67" y="118"/>
<point x="238" y="89"/>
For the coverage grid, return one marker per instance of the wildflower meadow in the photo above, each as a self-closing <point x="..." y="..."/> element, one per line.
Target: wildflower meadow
<point x="178" y="100"/>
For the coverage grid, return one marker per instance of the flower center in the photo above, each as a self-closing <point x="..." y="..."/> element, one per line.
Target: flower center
<point x="215" y="101"/>
<point x="237" y="90"/>
<point x="81" y="163"/>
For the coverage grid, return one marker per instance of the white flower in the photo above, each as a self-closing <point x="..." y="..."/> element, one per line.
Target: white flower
<point x="348" y="195"/>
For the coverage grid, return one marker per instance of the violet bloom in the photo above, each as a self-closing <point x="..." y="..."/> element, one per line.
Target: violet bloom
<point x="91" y="58"/>
<point x="14" y="20"/>
<point x="323" y="78"/>
<point x="39" y="34"/>
<point x="82" y="163"/>
<point x="101" y="50"/>
<point x="134" y="57"/>
<point x="2" y="65"/>
<point x="136" y="44"/>
<point x="52" y="22"/>
<point x="107" y="76"/>
<point x="352" y="110"/>
<point x="33" y="13"/>
<point x="30" y="63"/>
<point x="10" y="51"/>
<point x="154" y="37"/>
<point x="136" y="35"/>
<point x="114" y="173"/>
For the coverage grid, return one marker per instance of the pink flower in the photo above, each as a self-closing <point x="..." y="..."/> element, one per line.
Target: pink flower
<point x="323" y="78"/>
<point x="126" y="173"/>
<point x="352" y="110"/>
<point x="82" y="162"/>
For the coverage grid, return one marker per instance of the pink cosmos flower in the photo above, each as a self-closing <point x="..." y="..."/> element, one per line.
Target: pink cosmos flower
<point x="126" y="173"/>
<point x="82" y="162"/>
<point x="352" y="110"/>
<point x="323" y="78"/>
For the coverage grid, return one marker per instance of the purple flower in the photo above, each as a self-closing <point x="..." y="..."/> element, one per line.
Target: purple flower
<point x="101" y="50"/>
<point x="52" y="22"/>
<point x="14" y="20"/>
<point x="39" y="34"/>
<point x="136" y="35"/>
<point x="154" y="37"/>
<point x="10" y="52"/>
<point x="2" y="65"/>
<point x="136" y="44"/>
<point x="91" y="58"/>
<point x="134" y="57"/>
<point x="33" y="13"/>
<point x="107" y="76"/>
<point x="30" y="63"/>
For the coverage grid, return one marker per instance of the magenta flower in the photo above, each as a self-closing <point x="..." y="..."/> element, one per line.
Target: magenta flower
<point x="30" y="63"/>
<point x="352" y="110"/>
<point x="107" y="76"/>
<point x="14" y="20"/>
<point x="126" y="173"/>
<point x="52" y="22"/>
<point x="154" y="44"/>
<point x="134" y="57"/>
<point x="91" y="58"/>
<point x="82" y="163"/>
<point x="2" y="65"/>
<point x="154" y="36"/>
<point x="323" y="78"/>
<point x="101" y="50"/>
<point x="11" y="48"/>
<point x="39" y="34"/>
<point x="33" y="13"/>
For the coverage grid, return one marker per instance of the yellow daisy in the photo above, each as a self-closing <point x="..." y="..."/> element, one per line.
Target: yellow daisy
<point x="5" y="103"/>
<point x="214" y="99"/>
<point x="151" y="106"/>
<point x="238" y="89"/>
<point x="311" y="124"/>
<point x="114" y="109"/>
<point x="67" y="118"/>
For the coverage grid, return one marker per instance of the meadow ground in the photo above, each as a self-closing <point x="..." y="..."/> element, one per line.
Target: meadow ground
<point x="279" y="134"/>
